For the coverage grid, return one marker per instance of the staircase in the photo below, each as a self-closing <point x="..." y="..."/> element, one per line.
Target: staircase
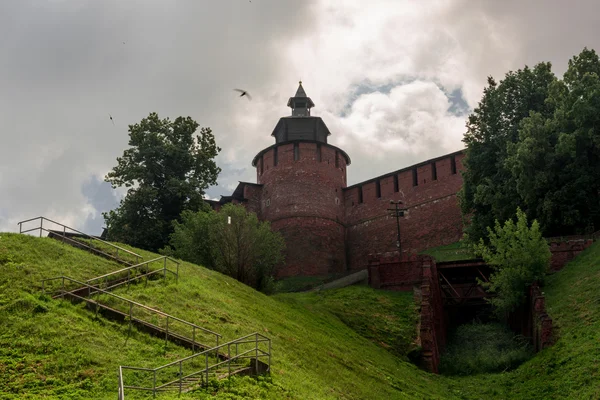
<point x="78" y="239"/>
<point x="245" y="355"/>
<point x="240" y="356"/>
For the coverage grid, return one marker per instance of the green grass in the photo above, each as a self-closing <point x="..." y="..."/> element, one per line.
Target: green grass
<point x="386" y="318"/>
<point x="451" y="252"/>
<point x="478" y="348"/>
<point x="570" y="369"/>
<point x="329" y="345"/>
<point x="53" y="349"/>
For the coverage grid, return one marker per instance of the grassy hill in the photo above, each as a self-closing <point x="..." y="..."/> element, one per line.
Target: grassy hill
<point x="570" y="369"/>
<point x="53" y="349"/>
<point x="343" y="344"/>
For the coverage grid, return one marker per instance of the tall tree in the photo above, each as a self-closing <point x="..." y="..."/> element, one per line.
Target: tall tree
<point x="231" y="241"/>
<point x="167" y="168"/>
<point x="556" y="162"/>
<point x="489" y="190"/>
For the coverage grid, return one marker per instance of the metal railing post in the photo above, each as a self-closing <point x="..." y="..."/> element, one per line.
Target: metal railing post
<point x="217" y="349"/>
<point x="256" y="348"/>
<point x="180" y="377"/>
<point x="167" y="332"/>
<point x="63" y="287"/>
<point x="20" y="227"/>
<point x="206" y="358"/>
<point x="165" y="269"/>
<point x="43" y="289"/>
<point x="229" y="361"/>
<point x="41" y="225"/>
<point x="193" y="339"/>
<point x="154" y="385"/>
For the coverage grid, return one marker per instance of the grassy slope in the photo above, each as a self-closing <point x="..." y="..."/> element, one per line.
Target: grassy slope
<point x="571" y="368"/>
<point x="386" y="318"/>
<point x="52" y="349"/>
<point x="451" y="252"/>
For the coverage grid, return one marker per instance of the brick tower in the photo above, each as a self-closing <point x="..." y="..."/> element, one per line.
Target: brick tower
<point x="302" y="178"/>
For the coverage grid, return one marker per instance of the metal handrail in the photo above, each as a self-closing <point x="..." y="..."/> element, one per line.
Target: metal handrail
<point x="130" y="302"/>
<point x="205" y="371"/>
<point x="65" y="227"/>
<point x="164" y="258"/>
<point x="121" y="388"/>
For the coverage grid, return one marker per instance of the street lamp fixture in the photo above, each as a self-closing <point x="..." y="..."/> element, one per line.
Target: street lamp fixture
<point x="397" y="212"/>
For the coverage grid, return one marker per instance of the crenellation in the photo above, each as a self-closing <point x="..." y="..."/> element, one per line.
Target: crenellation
<point x="329" y="227"/>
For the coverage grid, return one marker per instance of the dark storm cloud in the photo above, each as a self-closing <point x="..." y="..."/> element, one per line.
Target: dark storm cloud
<point x="65" y="68"/>
<point x="392" y="79"/>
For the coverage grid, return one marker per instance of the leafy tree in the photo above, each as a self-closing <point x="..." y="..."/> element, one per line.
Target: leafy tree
<point x="519" y="256"/>
<point x="556" y="162"/>
<point x="167" y="168"/>
<point x="489" y="191"/>
<point x="231" y="241"/>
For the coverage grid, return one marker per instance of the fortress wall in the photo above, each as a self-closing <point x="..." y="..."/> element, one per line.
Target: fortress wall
<point x="302" y="197"/>
<point x="433" y="216"/>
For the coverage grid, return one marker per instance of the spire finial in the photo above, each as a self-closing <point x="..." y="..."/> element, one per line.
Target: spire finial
<point x="300" y="103"/>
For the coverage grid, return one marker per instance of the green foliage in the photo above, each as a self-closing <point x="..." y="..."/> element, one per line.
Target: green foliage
<point x="67" y="353"/>
<point x="478" y="348"/>
<point x="167" y="168"/>
<point x="489" y="192"/>
<point x="519" y="256"/>
<point x="556" y="161"/>
<point x="569" y="368"/>
<point x="231" y="241"/>
<point x="534" y="142"/>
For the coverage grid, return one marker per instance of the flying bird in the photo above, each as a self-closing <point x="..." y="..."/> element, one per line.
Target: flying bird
<point x="244" y="93"/>
<point x="111" y="119"/>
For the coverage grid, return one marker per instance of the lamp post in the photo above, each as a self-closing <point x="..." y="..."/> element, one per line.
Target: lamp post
<point x="398" y="212"/>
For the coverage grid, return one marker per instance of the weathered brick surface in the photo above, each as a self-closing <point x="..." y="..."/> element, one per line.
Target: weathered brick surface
<point x="541" y="323"/>
<point x="389" y="271"/>
<point x="303" y="200"/>
<point x="432" y="216"/>
<point x="394" y="272"/>
<point x="565" y="249"/>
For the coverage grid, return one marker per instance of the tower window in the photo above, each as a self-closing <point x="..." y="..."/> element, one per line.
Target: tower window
<point x="337" y="161"/>
<point x="415" y="177"/>
<point x="396" y="188"/>
<point x="260" y="165"/>
<point x="453" y="165"/>
<point x="318" y="153"/>
<point x="360" y="197"/>
<point x="433" y="171"/>
<point x="378" y="188"/>
<point x="275" y="156"/>
<point x="296" y="152"/>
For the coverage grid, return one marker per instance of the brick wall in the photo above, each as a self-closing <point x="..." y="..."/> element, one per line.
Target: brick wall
<point x="433" y="216"/>
<point x="391" y="272"/>
<point x="541" y="322"/>
<point x="565" y="249"/>
<point x="302" y="197"/>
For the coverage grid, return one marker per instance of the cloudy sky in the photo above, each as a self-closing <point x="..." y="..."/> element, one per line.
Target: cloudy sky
<point x="393" y="80"/>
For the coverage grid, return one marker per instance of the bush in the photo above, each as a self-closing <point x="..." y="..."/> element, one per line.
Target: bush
<point x="519" y="256"/>
<point x="231" y="241"/>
